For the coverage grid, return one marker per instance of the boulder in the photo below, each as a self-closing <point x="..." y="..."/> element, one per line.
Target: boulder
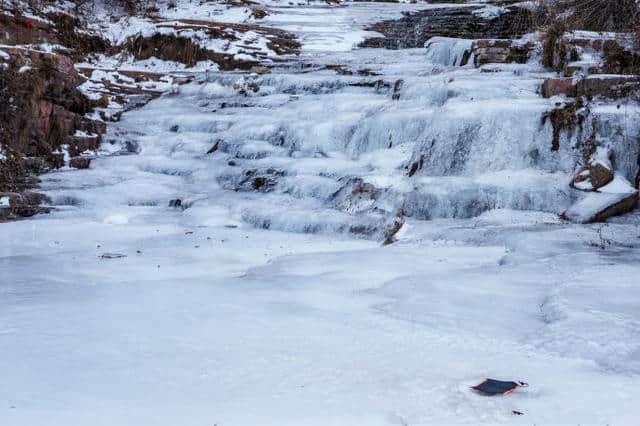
<point x="616" y="198"/>
<point x="597" y="173"/>
<point x="500" y="51"/>
<point x="592" y="177"/>
<point x="80" y="162"/>
<point x="16" y="205"/>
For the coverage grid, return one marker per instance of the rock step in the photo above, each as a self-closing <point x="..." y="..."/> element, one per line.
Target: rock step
<point x="500" y="51"/>
<point x="415" y="29"/>
<point x="609" y="86"/>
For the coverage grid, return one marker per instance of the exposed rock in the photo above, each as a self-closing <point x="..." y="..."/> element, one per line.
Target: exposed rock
<point x="592" y="177"/>
<point x="608" y="86"/>
<point x="172" y="47"/>
<point x="355" y="195"/>
<point x="500" y="51"/>
<point x="396" y="226"/>
<point x="215" y="147"/>
<point x="262" y="180"/>
<point x="397" y="88"/>
<point x="112" y="256"/>
<point x="260" y="69"/>
<point x="415" y="166"/>
<point x="18" y="205"/>
<point x="59" y="29"/>
<point x="595" y="174"/>
<point x="80" y="162"/>
<point x="616" y="198"/>
<point x="42" y="116"/>
<point x="559" y="87"/>
<point x="565" y="118"/>
<point x="416" y="28"/>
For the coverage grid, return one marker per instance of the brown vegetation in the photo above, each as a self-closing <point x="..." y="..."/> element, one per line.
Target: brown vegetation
<point x="557" y="17"/>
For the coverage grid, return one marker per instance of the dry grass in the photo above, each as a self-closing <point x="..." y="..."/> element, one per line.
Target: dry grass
<point x="556" y="17"/>
<point x="602" y="15"/>
<point x="181" y="49"/>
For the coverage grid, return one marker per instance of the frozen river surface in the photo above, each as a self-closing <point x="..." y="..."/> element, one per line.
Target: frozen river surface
<point x="274" y="303"/>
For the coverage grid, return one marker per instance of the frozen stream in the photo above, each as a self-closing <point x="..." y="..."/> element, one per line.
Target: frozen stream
<point x="272" y="301"/>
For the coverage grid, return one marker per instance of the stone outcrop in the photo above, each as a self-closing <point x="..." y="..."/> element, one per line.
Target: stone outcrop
<point x="415" y="29"/>
<point x="500" y="51"/>
<point x="15" y="205"/>
<point x="608" y="86"/>
<point x="592" y="177"/>
<point x="613" y="199"/>
<point x="42" y="116"/>
<point x="57" y="29"/>
<point x="596" y="173"/>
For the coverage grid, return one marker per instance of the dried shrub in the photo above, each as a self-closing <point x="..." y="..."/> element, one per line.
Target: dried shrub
<point x="181" y="49"/>
<point x="601" y="15"/>
<point x="554" y="48"/>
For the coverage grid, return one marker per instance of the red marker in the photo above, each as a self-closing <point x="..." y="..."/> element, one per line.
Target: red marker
<point x="28" y="24"/>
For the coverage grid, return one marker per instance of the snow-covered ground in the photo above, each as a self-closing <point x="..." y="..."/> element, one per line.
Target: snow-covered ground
<point x="272" y="302"/>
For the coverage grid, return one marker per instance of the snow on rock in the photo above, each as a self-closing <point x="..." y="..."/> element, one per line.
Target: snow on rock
<point x="597" y="173"/>
<point x="617" y="197"/>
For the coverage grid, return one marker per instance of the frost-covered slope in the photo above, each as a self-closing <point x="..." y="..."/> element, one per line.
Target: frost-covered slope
<point x="219" y="314"/>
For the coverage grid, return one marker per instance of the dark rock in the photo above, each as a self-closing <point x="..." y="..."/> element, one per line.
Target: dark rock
<point x="112" y="256"/>
<point x="80" y="162"/>
<point x="608" y="86"/>
<point x="397" y="87"/>
<point x="19" y="205"/>
<point x="396" y="226"/>
<point x="263" y="180"/>
<point x="415" y="29"/>
<point x="214" y="148"/>
<point x="175" y="203"/>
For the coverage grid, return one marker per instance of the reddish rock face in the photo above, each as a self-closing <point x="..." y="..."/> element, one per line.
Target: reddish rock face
<point x="43" y="110"/>
<point x="624" y="206"/>
<point x="606" y="86"/>
<point x="558" y="87"/>
<point x="592" y="177"/>
<point x="50" y="114"/>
